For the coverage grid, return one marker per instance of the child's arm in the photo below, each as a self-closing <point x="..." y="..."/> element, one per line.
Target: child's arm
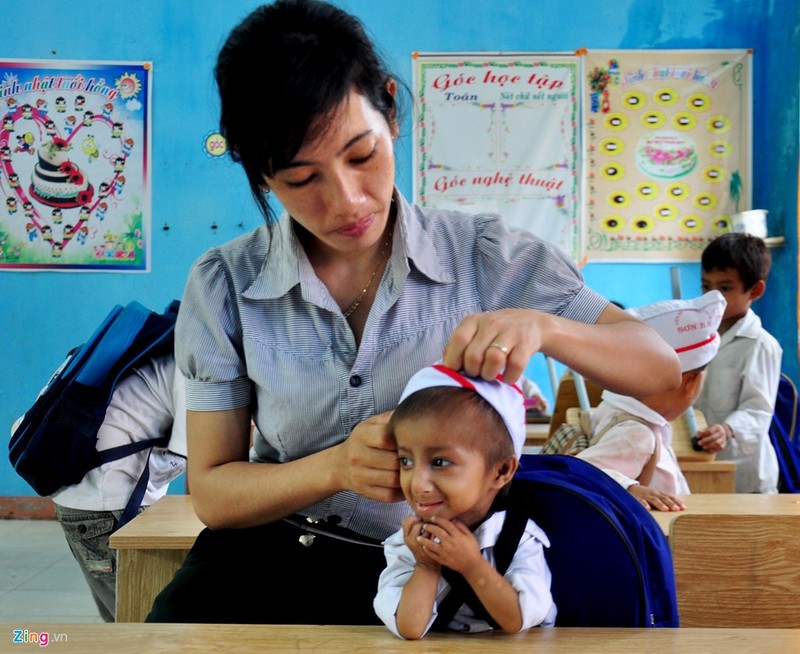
<point x="452" y="544"/>
<point x="419" y="593"/>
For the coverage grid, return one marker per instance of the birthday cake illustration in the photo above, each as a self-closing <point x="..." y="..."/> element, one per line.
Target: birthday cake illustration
<point x="666" y="154"/>
<point x="56" y="180"/>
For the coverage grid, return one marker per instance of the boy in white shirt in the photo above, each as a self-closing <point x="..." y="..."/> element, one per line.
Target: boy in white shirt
<point x="738" y="399"/>
<point x="626" y="448"/>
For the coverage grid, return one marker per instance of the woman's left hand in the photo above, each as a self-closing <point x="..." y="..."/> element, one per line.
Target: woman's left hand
<point x="487" y="344"/>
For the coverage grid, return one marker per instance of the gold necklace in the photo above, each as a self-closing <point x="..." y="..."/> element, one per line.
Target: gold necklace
<point x="361" y="295"/>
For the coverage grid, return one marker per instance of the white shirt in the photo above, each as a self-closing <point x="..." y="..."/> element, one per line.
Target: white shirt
<point x="145" y="404"/>
<point x="740" y="389"/>
<point x="625" y="449"/>
<point x="528" y="573"/>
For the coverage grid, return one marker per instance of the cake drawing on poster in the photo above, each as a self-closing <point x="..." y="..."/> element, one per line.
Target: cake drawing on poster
<point x="666" y="154"/>
<point x="56" y="180"/>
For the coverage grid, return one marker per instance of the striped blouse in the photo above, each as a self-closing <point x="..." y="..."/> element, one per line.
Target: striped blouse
<point x="257" y="327"/>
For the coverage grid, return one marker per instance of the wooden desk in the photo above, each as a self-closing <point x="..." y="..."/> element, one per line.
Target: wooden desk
<point x="709" y="476"/>
<point x="785" y="504"/>
<point x="737" y="570"/>
<point x="150" y="548"/>
<point x="536" y="434"/>
<point x="93" y="638"/>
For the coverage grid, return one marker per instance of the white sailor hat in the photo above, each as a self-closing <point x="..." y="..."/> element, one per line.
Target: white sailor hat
<point x="689" y="326"/>
<point x="506" y="399"/>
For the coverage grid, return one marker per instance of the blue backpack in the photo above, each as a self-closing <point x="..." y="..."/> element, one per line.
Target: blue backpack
<point x="783" y="434"/>
<point x="54" y="444"/>
<point x="610" y="561"/>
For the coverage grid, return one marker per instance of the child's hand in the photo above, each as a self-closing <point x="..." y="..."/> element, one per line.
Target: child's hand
<point x="450" y="543"/>
<point x="650" y="498"/>
<point x="714" y="437"/>
<point x="412" y="531"/>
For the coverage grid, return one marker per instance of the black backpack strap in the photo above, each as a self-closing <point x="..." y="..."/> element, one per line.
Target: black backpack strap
<point x="461" y="592"/>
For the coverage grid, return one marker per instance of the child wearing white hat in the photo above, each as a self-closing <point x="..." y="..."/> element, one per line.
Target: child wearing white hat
<point x="626" y="448"/>
<point x="459" y="440"/>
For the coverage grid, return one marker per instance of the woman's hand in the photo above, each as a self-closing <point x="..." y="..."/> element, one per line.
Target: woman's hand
<point x="486" y="344"/>
<point x="619" y="352"/>
<point x="369" y="465"/>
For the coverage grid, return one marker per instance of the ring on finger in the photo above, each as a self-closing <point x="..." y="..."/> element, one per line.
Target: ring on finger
<point x="502" y="348"/>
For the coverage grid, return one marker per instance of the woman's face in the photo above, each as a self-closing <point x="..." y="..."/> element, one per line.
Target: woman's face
<point x="339" y="185"/>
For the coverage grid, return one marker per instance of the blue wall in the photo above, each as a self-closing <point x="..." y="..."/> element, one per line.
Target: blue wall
<point x="44" y="314"/>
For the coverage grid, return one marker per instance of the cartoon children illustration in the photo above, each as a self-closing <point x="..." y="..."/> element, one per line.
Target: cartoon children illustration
<point x="89" y="147"/>
<point x="25" y="143"/>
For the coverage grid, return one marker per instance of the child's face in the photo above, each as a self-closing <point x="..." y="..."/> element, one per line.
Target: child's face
<point x="442" y="473"/>
<point x="728" y="282"/>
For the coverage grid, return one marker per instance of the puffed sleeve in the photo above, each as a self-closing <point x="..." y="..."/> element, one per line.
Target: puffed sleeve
<point x="208" y="339"/>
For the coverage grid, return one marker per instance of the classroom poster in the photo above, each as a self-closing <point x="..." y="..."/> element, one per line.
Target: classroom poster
<point x="500" y="133"/>
<point x="74" y="165"/>
<point x="668" y="139"/>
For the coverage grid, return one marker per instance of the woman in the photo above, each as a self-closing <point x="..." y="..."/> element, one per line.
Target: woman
<point x="311" y="326"/>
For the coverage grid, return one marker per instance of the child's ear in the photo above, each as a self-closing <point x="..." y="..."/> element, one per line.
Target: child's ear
<point x="757" y="290"/>
<point x="692" y="381"/>
<point x="505" y="471"/>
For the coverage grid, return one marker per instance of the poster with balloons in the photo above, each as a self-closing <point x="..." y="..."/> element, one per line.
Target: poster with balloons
<point x="74" y="165"/>
<point x="668" y="151"/>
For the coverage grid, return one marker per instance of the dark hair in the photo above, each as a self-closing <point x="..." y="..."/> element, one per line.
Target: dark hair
<point x="304" y="57"/>
<point x="746" y="254"/>
<point x="459" y="404"/>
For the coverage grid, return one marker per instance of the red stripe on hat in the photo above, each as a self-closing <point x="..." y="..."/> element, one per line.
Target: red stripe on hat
<point x="696" y="345"/>
<point x="466" y="383"/>
<point x="514" y="386"/>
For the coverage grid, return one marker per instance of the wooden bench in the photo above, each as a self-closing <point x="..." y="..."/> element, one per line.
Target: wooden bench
<point x="89" y="638"/>
<point x="737" y="570"/>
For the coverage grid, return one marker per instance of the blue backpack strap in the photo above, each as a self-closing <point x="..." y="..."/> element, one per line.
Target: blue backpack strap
<point x="135" y="501"/>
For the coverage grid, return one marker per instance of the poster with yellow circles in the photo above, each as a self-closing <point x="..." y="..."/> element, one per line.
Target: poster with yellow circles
<point x="668" y="151"/>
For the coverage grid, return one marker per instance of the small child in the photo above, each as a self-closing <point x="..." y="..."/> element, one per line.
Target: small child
<point x="626" y="448"/>
<point x="739" y="396"/>
<point x="458" y="441"/>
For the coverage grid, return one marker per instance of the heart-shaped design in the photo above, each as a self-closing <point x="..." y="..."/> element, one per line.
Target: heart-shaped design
<point x="51" y="176"/>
